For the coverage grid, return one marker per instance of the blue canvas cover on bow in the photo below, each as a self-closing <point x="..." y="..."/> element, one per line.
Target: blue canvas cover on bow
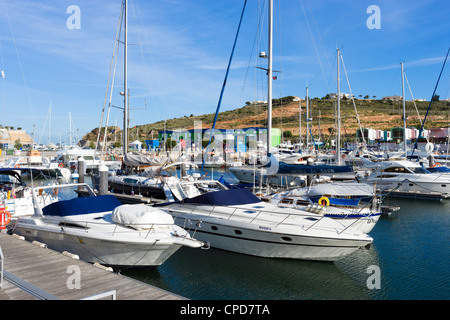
<point x="225" y="198"/>
<point x="81" y="205"/>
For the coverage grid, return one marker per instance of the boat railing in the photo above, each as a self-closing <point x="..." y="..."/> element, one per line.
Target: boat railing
<point x="55" y="189"/>
<point x="259" y="213"/>
<point x="86" y="226"/>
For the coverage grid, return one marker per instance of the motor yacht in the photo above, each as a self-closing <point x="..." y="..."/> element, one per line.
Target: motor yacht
<point x="408" y="178"/>
<point x="16" y="197"/>
<point x="38" y="167"/>
<point x="100" y="229"/>
<point x="238" y="221"/>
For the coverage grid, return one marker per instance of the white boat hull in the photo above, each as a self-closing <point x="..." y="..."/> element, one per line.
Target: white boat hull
<point x="104" y="251"/>
<point x="110" y="245"/>
<point x="416" y="184"/>
<point x="271" y="240"/>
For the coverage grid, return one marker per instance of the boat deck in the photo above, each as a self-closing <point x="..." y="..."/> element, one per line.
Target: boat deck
<point x="32" y="272"/>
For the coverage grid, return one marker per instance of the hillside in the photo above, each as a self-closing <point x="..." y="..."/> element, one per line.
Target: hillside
<point x="376" y="114"/>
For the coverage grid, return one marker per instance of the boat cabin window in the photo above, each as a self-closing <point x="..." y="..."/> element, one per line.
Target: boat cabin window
<point x="287" y="201"/>
<point x="72" y="225"/>
<point x="302" y="202"/>
<point x="128" y="180"/>
<point x="384" y="176"/>
<point x="397" y="169"/>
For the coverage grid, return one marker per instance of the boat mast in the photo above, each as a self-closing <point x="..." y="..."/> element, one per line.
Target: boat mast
<point x="50" y="125"/>
<point x="300" y="123"/>
<point x="307" y="119"/>
<point x="404" y="109"/>
<point x="338" y="146"/>
<point x="125" y="84"/>
<point x="269" y="86"/>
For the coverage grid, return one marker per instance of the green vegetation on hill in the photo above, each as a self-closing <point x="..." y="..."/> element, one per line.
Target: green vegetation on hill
<point x="376" y="114"/>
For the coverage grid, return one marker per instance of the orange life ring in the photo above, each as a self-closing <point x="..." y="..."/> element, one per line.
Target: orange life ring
<point x="437" y="164"/>
<point x="4" y="214"/>
<point x="61" y="165"/>
<point x="17" y="166"/>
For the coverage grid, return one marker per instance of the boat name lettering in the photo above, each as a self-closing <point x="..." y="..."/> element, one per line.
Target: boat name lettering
<point x="264" y="228"/>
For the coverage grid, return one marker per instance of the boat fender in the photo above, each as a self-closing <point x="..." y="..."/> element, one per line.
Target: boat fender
<point x="322" y="210"/>
<point x="324" y="201"/>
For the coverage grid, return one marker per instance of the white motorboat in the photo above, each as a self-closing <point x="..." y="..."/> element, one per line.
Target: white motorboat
<point x="136" y="185"/>
<point x="353" y="204"/>
<point x="16" y="197"/>
<point x="408" y="178"/>
<point x="69" y="159"/>
<point x="236" y="220"/>
<point x="38" y="167"/>
<point x="100" y="229"/>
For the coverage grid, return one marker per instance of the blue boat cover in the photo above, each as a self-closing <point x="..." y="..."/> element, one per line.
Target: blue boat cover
<point x="81" y="205"/>
<point x="339" y="201"/>
<point x="442" y="169"/>
<point x="225" y="198"/>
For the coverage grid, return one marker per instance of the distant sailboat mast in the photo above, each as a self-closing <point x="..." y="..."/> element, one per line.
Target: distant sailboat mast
<point x="338" y="144"/>
<point x="404" y="110"/>
<point x="269" y="74"/>
<point x="125" y="84"/>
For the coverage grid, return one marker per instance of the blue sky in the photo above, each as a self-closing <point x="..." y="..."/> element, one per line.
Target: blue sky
<point x="180" y="50"/>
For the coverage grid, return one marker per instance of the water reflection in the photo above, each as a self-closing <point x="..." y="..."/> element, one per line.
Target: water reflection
<point x="218" y="274"/>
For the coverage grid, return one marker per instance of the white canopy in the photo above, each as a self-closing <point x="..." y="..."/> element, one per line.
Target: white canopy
<point x="335" y="188"/>
<point x="140" y="216"/>
<point x="135" y="160"/>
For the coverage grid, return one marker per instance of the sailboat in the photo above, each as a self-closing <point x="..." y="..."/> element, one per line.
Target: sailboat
<point x="100" y="229"/>
<point x="339" y="171"/>
<point x="238" y="221"/>
<point x="404" y="178"/>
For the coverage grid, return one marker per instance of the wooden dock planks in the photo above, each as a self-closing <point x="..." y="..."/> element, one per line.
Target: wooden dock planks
<point x="50" y="271"/>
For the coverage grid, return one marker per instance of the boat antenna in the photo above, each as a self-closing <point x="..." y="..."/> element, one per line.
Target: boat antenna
<point x="429" y="106"/>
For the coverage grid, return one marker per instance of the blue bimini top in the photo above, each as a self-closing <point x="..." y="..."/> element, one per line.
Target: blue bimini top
<point x="225" y="198"/>
<point x="81" y="205"/>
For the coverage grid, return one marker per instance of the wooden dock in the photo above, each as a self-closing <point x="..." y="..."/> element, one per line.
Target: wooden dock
<point x="36" y="273"/>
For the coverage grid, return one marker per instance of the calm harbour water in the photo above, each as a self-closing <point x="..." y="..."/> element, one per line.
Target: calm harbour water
<point x="411" y="248"/>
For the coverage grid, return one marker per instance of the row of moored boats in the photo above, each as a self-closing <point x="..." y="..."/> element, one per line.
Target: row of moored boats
<point x="306" y="215"/>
